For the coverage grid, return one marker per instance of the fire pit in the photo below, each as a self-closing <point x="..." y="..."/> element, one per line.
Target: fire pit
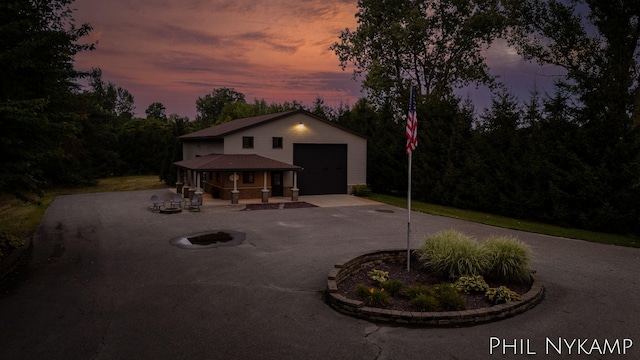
<point x="209" y="239"/>
<point x="171" y="210"/>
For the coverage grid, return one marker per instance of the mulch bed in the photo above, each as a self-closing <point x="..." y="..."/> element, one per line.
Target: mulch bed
<point x="278" y="206"/>
<point x="416" y="276"/>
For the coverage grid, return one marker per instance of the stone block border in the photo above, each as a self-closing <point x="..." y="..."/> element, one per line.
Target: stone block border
<point x="356" y="308"/>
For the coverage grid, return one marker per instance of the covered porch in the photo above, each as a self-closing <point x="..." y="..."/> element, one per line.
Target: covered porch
<point x="238" y="176"/>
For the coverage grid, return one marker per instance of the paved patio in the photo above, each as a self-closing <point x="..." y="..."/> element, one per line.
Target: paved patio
<point x="104" y="282"/>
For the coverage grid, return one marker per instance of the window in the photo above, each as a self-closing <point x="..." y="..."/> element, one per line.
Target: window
<point x="277" y="143"/>
<point x="247" y="142"/>
<point x="247" y="177"/>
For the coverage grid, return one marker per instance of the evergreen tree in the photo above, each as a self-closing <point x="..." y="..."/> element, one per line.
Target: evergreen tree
<point x="38" y="42"/>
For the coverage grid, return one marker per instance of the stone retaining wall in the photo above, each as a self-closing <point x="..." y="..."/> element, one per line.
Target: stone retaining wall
<point x="357" y="308"/>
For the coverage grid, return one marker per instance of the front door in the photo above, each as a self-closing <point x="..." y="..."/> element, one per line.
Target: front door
<point x="276" y="183"/>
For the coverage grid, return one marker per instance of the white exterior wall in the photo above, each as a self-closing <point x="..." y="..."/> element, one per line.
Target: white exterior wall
<point x="312" y="131"/>
<point x="191" y="149"/>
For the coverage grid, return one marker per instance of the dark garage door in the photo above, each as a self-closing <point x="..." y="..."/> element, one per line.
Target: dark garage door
<point x="325" y="168"/>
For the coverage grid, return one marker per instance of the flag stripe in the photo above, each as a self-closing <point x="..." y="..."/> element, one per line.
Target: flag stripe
<point x="412" y="125"/>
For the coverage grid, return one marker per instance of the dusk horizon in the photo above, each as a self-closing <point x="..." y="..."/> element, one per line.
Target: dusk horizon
<point x="174" y="53"/>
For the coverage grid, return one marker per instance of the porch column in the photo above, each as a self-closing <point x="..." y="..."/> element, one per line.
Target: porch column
<point x="199" y="187"/>
<point x="235" y="194"/>
<point x="179" y="183"/>
<point x="192" y="183"/>
<point x="295" y="191"/>
<point x="265" y="191"/>
<point x="187" y="185"/>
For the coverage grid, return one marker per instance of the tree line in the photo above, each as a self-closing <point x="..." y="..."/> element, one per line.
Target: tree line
<point x="569" y="157"/>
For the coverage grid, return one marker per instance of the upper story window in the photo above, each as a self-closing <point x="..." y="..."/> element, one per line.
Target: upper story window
<point x="277" y="143"/>
<point x="247" y="142"/>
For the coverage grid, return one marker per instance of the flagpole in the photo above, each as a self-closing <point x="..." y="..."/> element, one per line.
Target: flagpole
<point x="409" y="217"/>
<point x="412" y="142"/>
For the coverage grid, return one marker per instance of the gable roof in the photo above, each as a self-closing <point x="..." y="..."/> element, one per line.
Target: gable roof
<point x="219" y="131"/>
<point x="234" y="162"/>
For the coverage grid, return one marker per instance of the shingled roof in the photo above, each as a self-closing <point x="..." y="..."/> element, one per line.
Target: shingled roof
<point x="236" y="125"/>
<point x="235" y="162"/>
<point x="220" y="131"/>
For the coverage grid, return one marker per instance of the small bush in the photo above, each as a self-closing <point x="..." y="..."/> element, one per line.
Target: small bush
<point x="9" y="243"/>
<point x="508" y="259"/>
<point x="393" y="287"/>
<point x="449" y="298"/>
<point x="433" y="298"/>
<point x="373" y="296"/>
<point x="471" y="284"/>
<point x="424" y="302"/>
<point x="379" y="275"/>
<point x="417" y="290"/>
<point x="452" y="254"/>
<point x="361" y="190"/>
<point x="502" y="294"/>
<point x="362" y="290"/>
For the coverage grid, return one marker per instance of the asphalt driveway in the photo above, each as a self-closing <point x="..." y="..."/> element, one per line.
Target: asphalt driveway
<point x="106" y="283"/>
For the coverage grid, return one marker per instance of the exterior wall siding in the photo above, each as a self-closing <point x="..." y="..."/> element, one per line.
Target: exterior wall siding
<point x="312" y="131"/>
<point x="191" y="149"/>
<point x="220" y="185"/>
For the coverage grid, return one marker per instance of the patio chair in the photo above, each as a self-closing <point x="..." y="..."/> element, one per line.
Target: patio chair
<point x="176" y="201"/>
<point x="194" y="203"/>
<point x="156" y="203"/>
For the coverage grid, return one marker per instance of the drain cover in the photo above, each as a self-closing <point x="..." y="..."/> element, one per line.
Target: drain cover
<point x="209" y="239"/>
<point x="384" y="211"/>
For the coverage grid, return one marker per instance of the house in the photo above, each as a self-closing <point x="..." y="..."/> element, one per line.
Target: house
<point x="285" y="154"/>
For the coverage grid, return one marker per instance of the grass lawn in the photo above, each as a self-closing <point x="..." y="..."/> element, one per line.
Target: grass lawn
<point x="21" y="219"/>
<point x="509" y="223"/>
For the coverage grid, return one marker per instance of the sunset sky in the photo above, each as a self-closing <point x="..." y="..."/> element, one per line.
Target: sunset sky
<point x="174" y="51"/>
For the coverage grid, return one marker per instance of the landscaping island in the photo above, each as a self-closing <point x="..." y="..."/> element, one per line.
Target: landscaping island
<point x="351" y="271"/>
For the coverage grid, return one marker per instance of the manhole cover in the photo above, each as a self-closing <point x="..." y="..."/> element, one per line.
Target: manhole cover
<point x="209" y="239"/>
<point x="384" y="211"/>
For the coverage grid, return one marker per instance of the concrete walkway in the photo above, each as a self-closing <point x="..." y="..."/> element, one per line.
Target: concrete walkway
<point x="105" y="283"/>
<point x="317" y="200"/>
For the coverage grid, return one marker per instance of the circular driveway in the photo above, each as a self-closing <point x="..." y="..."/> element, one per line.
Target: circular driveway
<point x="106" y="283"/>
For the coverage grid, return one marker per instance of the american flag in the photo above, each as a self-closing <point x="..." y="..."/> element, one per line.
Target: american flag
<point x="412" y="125"/>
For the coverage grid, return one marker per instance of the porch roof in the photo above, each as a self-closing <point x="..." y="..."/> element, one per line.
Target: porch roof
<point x="235" y="162"/>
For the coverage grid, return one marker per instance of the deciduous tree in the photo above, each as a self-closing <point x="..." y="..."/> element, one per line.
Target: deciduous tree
<point x="436" y="44"/>
<point x="210" y="106"/>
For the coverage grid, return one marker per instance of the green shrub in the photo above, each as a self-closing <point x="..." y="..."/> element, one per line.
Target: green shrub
<point x="361" y="190"/>
<point x="449" y="298"/>
<point x="424" y="302"/>
<point x="452" y="254"/>
<point x="393" y="287"/>
<point x="362" y="290"/>
<point x="9" y="243"/>
<point x="373" y="296"/>
<point x="508" y="259"/>
<point x="471" y="284"/>
<point x="432" y="298"/>
<point x="379" y="275"/>
<point x="417" y="290"/>
<point x="502" y="294"/>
